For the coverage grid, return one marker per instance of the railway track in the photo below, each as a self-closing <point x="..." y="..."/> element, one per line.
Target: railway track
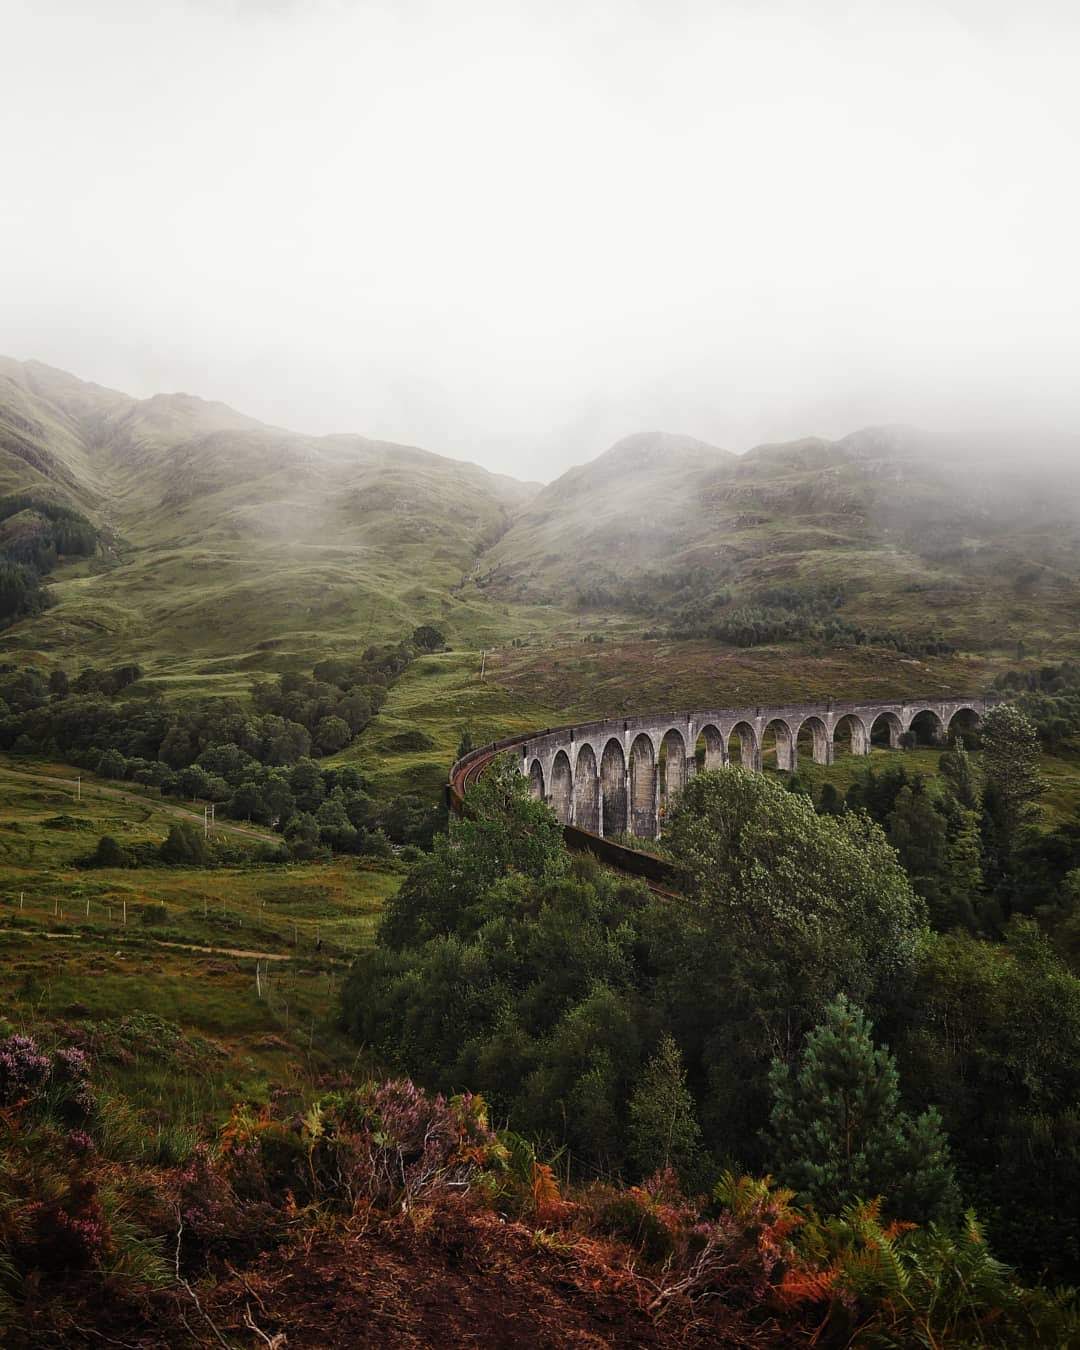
<point x="661" y="876"/>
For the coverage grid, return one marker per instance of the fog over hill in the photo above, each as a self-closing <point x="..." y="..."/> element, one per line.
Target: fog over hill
<point x="896" y="526"/>
<point x="219" y="532"/>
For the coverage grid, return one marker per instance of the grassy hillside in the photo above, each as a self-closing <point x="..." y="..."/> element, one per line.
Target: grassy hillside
<point x="97" y="946"/>
<point x="229" y="549"/>
<point x="887" y="529"/>
<point x="223" y="535"/>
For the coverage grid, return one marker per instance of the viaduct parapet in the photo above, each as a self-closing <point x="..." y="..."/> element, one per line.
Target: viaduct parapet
<point x="617" y="776"/>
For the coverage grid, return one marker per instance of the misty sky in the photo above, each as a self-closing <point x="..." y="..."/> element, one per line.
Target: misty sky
<point x="513" y="232"/>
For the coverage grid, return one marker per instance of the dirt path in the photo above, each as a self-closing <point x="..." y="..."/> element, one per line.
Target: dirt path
<point x="185" y="946"/>
<point x="155" y="803"/>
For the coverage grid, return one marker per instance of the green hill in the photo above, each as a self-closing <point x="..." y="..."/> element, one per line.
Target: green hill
<point x="889" y="529"/>
<point x="221" y="534"/>
<point x="222" y="548"/>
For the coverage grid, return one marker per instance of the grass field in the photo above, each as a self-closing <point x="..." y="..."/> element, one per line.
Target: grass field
<point x="175" y="986"/>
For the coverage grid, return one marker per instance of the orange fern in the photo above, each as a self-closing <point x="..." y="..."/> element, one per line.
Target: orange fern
<point x="547" y="1203"/>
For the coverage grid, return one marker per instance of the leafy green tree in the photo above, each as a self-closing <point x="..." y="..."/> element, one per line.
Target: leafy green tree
<point x="355" y="710"/>
<point x="465" y="746"/>
<point x="302" y="834"/>
<point x="112" y="764"/>
<point x="664" y="1131"/>
<point x="807" y="904"/>
<point x="375" y="844"/>
<point x="331" y="735"/>
<point x="335" y="828"/>
<point x="59" y="686"/>
<point x="962" y="884"/>
<point x="110" y="854"/>
<point x="175" y="748"/>
<point x="786" y="909"/>
<point x="306" y="783"/>
<point x="247" y="803"/>
<point x="505" y="831"/>
<point x="277" y="798"/>
<point x="194" y="783"/>
<point x="184" y="845"/>
<point x="428" y="639"/>
<point x="918" y="833"/>
<point x="837" y="1132"/>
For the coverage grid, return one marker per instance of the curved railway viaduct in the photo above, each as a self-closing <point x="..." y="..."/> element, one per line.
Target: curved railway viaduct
<point x="616" y="776"/>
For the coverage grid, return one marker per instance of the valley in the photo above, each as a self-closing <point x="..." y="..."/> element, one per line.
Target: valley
<point x="303" y="634"/>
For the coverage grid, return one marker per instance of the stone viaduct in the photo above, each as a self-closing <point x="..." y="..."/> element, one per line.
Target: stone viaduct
<point x="616" y="776"/>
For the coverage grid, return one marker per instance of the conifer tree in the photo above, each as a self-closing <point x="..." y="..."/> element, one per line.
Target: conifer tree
<point x="959" y="772"/>
<point x="838" y="1133"/>
<point x="1010" y="750"/>
<point x="664" y="1131"/>
<point x="963" y="881"/>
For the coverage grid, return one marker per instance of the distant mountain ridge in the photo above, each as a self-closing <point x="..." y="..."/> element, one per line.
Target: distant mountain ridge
<point x="224" y="534"/>
<point x="227" y="531"/>
<point x="903" y="527"/>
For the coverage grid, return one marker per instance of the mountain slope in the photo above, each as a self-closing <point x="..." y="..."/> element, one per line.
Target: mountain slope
<point x="895" y="529"/>
<point x="632" y="507"/>
<point x="224" y="532"/>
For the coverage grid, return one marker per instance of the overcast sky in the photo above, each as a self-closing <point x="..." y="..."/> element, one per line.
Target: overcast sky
<point x="513" y="232"/>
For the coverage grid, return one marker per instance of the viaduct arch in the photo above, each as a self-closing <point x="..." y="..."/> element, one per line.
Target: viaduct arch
<point x="618" y="775"/>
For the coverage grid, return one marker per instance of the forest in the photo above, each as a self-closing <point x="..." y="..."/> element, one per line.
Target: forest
<point x="873" y="997"/>
<point x="256" y="761"/>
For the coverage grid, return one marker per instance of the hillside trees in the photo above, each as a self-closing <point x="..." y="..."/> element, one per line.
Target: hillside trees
<point x="790" y="909"/>
<point x="1010" y="747"/>
<point x="990" y="1033"/>
<point x="549" y="985"/>
<point x="837" y="1133"/>
<point x="664" y="1131"/>
<point x="35" y="533"/>
<point x="255" y="763"/>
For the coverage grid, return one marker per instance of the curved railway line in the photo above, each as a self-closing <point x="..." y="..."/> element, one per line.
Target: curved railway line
<point x="659" y="875"/>
<point x="607" y="776"/>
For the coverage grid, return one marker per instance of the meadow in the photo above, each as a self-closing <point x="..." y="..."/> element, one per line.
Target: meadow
<point x="205" y="985"/>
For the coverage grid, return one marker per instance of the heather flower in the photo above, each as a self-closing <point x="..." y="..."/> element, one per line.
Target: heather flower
<point x="23" y="1068"/>
<point x="80" y="1143"/>
<point x="71" y="1065"/>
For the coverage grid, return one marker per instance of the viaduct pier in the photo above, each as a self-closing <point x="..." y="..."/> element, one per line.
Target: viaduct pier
<point x="615" y="776"/>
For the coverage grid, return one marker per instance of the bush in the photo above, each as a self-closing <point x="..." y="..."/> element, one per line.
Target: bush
<point x="110" y="854"/>
<point x="184" y="846"/>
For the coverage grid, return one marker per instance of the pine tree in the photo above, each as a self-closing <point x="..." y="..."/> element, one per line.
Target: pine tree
<point x="837" y="1132"/>
<point x="1010" y="750"/>
<point x="917" y="832"/>
<point x="664" y="1131"/>
<point x="963" y="883"/>
<point x="958" y="771"/>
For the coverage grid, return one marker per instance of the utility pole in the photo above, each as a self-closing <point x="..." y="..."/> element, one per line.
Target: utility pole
<point x="205" y="821"/>
<point x="483" y="664"/>
<point x="78" y="788"/>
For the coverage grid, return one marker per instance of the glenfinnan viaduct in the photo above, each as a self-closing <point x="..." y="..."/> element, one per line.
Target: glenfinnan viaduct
<point x="616" y="776"/>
